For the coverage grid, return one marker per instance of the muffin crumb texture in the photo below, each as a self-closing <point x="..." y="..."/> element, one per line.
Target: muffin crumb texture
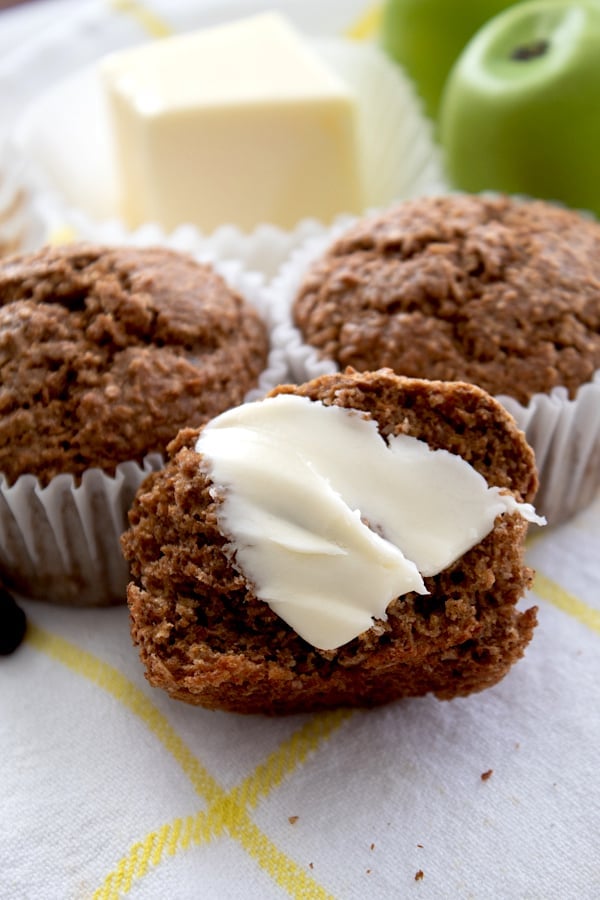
<point x="497" y="292"/>
<point x="106" y="353"/>
<point x="206" y="639"/>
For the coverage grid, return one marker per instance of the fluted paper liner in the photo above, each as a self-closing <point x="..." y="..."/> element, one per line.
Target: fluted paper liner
<point x="565" y="437"/>
<point x="60" y="543"/>
<point x="564" y="433"/>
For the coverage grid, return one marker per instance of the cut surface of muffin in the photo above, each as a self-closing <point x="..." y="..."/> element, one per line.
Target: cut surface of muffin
<point x="105" y="353"/>
<point x="498" y="292"/>
<point x="206" y="638"/>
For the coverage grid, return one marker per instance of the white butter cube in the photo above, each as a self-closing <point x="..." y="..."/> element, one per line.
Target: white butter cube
<point x="241" y="124"/>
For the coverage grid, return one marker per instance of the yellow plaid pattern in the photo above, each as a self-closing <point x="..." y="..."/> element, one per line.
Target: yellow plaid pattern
<point x="229" y="812"/>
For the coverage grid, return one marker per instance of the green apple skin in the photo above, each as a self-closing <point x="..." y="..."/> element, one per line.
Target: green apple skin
<point x="521" y="109"/>
<point x="426" y="37"/>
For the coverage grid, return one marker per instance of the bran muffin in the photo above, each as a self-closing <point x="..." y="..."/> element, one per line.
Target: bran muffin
<point x="495" y="291"/>
<point x="105" y="353"/>
<point x="205" y="637"/>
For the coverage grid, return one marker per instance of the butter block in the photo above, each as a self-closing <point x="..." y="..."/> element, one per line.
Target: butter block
<point x="241" y="123"/>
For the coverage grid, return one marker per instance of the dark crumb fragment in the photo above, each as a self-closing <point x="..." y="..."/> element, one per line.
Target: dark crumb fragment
<point x="372" y="846"/>
<point x="420" y="846"/>
<point x="292" y="819"/>
<point x="311" y="865"/>
<point x="13" y="623"/>
<point x="420" y="875"/>
<point x="486" y="775"/>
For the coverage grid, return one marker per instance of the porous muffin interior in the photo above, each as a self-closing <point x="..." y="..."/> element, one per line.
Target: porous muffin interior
<point x="205" y="637"/>
<point x="105" y="353"/>
<point x="497" y="292"/>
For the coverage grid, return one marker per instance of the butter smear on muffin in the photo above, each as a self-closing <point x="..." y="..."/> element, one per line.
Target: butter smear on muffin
<point x="317" y="507"/>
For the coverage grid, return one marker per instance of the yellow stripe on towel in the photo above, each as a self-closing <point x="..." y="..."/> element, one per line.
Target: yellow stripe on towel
<point x="367" y="25"/>
<point x="126" y="692"/>
<point x="556" y="595"/>
<point x="194" y="831"/>
<point x="228" y="812"/>
<point x="152" y="24"/>
<point x="62" y="234"/>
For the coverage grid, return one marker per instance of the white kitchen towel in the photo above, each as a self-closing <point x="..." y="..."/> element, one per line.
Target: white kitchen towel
<point x="111" y="789"/>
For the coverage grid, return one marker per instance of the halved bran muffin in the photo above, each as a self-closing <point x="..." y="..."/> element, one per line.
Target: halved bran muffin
<point x="206" y="639"/>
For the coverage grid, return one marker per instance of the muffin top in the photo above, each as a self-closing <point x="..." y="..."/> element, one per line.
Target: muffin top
<point x="105" y="353"/>
<point x="497" y="292"/>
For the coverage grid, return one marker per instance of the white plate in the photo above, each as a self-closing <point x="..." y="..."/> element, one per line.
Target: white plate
<point x="62" y="130"/>
<point x="84" y="30"/>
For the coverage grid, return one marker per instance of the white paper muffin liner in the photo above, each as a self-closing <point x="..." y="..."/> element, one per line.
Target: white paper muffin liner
<point x="400" y="158"/>
<point x="21" y="223"/>
<point x="564" y="433"/>
<point x="565" y="437"/>
<point x="61" y="543"/>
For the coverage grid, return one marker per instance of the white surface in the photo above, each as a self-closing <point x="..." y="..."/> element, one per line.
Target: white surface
<point x="22" y="22"/>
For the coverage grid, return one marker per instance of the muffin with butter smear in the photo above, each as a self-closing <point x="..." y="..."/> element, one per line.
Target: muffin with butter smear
<point x="105" y="353"/>
<point x="500" y="292"/>
<point x="349" y="541"/>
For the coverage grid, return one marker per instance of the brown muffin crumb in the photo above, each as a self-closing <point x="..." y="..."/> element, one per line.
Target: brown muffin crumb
<point x="499" y="293"/>
<point x="105" y="353"/>
<point x="205" y="637"/>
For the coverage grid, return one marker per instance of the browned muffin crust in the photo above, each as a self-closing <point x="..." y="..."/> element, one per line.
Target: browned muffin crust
<point x="496" y="292"/>
<point x="205" y="638"/>
<point x="105" y="353"/>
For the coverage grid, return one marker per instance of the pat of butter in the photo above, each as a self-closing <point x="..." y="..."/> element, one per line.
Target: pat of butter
<point x="329" y="521"/>
<point x="240" y="123"/>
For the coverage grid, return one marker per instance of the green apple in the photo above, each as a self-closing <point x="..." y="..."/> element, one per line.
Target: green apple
<point x="426" y="36"/>
<point x="521" y="108"/>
